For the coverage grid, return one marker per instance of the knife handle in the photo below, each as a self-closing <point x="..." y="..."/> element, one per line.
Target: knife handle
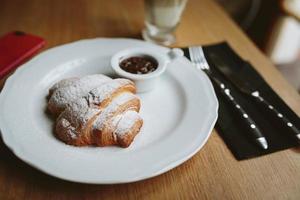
<point x="278" y="114"/>
<point x="254" y="131"/>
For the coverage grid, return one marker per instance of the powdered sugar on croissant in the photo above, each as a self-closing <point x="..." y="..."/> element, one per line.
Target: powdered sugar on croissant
<point x="126" y="125"/>
<point x="95" y="110"/>
<point x="68" y="90"/>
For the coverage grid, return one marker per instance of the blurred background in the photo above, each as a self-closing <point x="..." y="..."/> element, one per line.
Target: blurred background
<point x="274" y="26"/>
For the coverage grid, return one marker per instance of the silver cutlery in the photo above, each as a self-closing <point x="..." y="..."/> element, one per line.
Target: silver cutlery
<point x="198" y="59"/>
<point x="241" y="81"/>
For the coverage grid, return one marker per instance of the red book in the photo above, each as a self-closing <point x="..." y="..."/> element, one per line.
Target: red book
<point x="16" y="48"/>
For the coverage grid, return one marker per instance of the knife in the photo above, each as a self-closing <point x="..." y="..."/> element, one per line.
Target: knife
<point x="241" y="81"/>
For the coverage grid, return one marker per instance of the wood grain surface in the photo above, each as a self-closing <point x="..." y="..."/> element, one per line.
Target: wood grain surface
<point x="213" y="173"/>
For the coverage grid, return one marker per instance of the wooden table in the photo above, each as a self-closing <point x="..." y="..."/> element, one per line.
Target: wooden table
<point x="213" y="173"/>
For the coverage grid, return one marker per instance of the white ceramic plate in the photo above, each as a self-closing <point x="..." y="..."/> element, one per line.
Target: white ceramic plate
<point x="178" y="116"/>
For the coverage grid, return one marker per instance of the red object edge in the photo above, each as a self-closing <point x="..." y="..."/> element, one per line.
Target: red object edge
<point x="17" y="47"/>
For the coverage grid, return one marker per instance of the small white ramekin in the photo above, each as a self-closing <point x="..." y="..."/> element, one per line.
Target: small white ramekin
<point x="144" y="82"/>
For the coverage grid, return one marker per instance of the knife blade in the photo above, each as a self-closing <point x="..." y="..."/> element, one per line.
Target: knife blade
<point x="240" y="79"/>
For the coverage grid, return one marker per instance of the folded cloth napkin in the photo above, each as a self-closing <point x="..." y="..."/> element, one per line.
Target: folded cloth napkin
<point x="229" y="124"/>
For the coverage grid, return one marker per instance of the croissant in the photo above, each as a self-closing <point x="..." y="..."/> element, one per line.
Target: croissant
<point x="95" y="110"/>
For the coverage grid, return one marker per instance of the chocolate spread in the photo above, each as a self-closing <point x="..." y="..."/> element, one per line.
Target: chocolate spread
<point x="139" y="65"/>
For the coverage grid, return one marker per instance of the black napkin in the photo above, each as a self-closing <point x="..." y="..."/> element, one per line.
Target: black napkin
<point x="230" y="125"/>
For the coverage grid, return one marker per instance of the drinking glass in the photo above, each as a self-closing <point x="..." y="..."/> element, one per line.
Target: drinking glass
<point x="161" y="19"/>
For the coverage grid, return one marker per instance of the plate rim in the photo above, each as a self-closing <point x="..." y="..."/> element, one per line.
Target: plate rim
<point x="9" y="142"/>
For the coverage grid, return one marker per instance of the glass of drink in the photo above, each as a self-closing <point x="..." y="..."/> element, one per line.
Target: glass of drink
<point x="161" y="19"/>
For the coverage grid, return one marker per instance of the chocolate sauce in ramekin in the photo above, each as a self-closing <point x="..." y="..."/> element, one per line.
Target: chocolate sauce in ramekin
<point x="139" y="65"/>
